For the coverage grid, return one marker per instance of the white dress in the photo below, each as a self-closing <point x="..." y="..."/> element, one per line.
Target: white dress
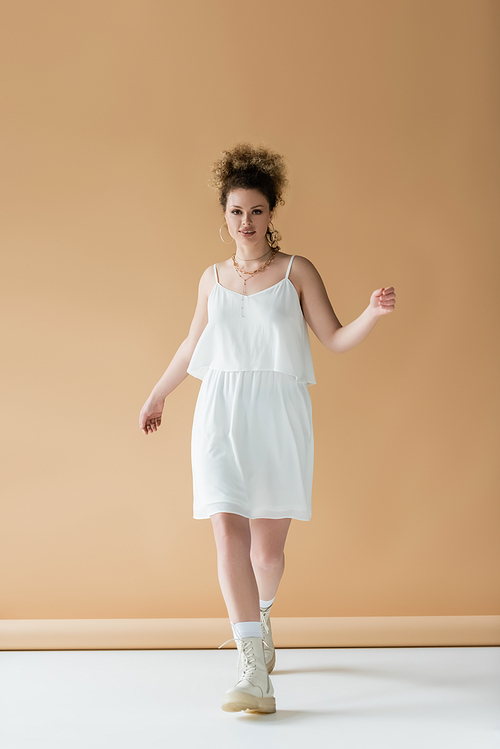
<point x="252" y="445"/>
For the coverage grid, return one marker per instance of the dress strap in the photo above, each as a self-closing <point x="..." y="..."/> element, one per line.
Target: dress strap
<point x="289" y="266"/>
<point x="215" y="273"/>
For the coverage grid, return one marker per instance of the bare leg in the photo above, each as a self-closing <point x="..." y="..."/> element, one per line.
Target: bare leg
<point x="267" y="553"/>
<point x="236" y="575"/>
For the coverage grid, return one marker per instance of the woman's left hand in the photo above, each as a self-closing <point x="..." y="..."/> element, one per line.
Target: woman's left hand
<point x="383" y="301"/>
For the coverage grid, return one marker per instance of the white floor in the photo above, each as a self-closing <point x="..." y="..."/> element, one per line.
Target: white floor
<point x="366" y="698"/>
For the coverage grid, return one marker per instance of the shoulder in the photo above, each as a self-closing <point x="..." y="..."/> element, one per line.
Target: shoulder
<point x="303" y="264"/>
<point x="207" y="281"/>
<point x="304" y="274"/>
<point x="316" y="306"/>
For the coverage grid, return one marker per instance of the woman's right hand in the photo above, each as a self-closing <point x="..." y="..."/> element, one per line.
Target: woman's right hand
<point x="150" y="416"/>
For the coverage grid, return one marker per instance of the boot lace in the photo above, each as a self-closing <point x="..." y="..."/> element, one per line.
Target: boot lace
<point x="265" y="620"/>
<point x="249" y="658"/>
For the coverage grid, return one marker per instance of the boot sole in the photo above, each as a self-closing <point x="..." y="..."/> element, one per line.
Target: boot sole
<point x="236" y="701"/>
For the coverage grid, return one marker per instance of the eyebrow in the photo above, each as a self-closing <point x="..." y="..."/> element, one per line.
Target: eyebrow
<point x="254" y="206"/>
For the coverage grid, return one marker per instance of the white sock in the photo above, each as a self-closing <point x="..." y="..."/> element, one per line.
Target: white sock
<point x="246" y="629"/>
<point x="266" y="604"/>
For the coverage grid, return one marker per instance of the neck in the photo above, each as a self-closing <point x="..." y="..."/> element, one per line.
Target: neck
<point x="247" y="254"/>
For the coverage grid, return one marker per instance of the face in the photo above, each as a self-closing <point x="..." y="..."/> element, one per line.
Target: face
<point x="247" y="215"/>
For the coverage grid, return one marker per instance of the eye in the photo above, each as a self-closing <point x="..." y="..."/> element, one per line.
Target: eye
<point x="235" y="210"/>
<point x="257" y="210"/>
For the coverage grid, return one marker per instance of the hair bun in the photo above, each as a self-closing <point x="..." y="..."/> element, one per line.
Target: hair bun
<point x="250" y="167"/>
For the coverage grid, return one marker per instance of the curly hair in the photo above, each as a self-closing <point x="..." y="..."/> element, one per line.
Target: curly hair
<point x="252" y="168"/>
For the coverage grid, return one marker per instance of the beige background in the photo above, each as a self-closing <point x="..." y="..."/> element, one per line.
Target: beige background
<point x="388" y="115"/>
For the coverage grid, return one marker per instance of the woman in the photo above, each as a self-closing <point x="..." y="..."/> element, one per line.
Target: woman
<point x="252" y="440"/>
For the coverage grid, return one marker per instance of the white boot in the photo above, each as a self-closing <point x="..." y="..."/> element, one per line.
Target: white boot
<point x="267" y="636"/>
<point x="253" y="691"/>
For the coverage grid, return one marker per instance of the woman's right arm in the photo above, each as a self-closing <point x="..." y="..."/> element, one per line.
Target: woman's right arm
<point x="176" y="372"/>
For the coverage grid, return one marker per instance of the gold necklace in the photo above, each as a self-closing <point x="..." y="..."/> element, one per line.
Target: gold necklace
<point x="252" y="272"/>
<point x="254" y="258"/>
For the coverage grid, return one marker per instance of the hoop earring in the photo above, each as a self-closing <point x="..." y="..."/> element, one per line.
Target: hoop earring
<point x="220" y="232"/>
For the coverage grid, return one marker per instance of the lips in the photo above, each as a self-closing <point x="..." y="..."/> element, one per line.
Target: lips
<point x="247" y="233"/>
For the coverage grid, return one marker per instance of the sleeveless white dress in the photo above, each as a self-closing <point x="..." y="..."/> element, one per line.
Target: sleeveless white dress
<point x="252" y="445"/>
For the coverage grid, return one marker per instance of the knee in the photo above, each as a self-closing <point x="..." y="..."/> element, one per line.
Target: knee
<point x="231" y="540"/>
<point x="267" y="558"/>
<point x="229" y="546"/>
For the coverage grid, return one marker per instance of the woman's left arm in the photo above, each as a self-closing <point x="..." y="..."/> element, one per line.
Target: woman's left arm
<point x="382" y="301"/>
<point x="323" y="321"/>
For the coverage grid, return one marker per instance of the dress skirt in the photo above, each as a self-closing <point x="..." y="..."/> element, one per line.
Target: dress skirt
<point x="252" y="445"/>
